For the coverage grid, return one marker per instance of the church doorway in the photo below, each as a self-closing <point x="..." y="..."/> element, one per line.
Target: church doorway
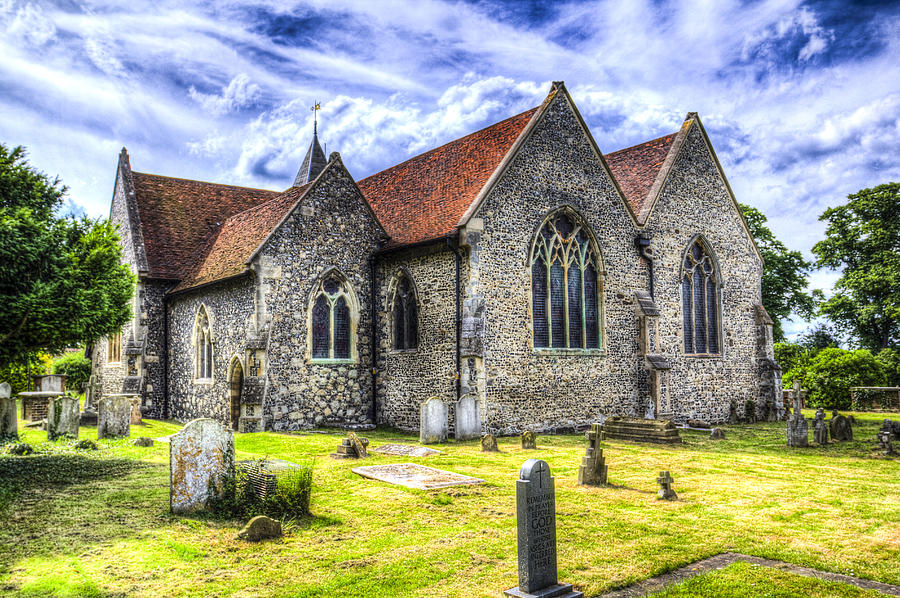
<point x="236" y="384"/>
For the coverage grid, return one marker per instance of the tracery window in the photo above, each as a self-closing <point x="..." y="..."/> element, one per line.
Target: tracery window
<point x="331" y="318"/>
<point x="700" y="301"/>
<point x="565" y="285"/>
<point x="405" y="315"/>
<point x="114" y="348"/>
<point x="203" y="357"/>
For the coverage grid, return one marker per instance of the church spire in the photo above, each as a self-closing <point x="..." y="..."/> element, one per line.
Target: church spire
<point x="314" y="162"/>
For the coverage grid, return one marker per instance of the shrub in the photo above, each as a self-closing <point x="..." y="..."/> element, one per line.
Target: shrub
<point x="833" y="371"/>
<point x="789" y="354"/>
<point x="17" y="373"/>
<point x="240" y="500"/>
<point x="890" y="361"/>
<point x="76" y="368"/>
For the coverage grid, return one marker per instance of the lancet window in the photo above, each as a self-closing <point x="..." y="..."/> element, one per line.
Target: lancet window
<point x="332" y="318"/>
<point x="700" y="301"/>
<point x="203" y="357"/>
<point x="405" y="315"/>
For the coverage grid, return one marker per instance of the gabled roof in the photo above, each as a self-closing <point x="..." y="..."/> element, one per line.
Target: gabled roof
<point x="227" y="253"/>
<point x="425" y="197"/>
<point x="178" y="217"/>
<point x="636" y="169"/>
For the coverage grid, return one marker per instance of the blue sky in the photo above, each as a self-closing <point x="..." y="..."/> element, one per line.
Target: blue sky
<point x="801" y="99"/>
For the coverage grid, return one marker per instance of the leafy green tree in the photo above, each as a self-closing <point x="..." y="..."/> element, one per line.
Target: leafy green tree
<point x="75" y="367"/>
<point x="863" y="240"/>
<point x="62" y="282"/>
<point x="890" y="360"/>
<point x="821" y="336"/>
<point x="785" y="275"/>
<point x="832" y="372"/>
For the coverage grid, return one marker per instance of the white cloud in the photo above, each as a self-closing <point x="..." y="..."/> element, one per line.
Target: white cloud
<point x="239" y="93"/>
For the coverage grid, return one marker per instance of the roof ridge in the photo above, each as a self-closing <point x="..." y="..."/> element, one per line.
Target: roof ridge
<point x="452" y="141"/>
<point x="175" y="178"/>
<point x="262" y="204"/>
<point x="637" y="145"/>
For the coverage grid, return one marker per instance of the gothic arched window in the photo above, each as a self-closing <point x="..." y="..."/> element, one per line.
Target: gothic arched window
<point x="405" y="314"/>
<point x="565" y="285"/>
<point x="203" y="353"/>
<point x="700" y="301"/>
<point x="332" y="318"/>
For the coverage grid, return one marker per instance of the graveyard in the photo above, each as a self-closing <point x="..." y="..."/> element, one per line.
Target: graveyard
<point x="98" y="523"/>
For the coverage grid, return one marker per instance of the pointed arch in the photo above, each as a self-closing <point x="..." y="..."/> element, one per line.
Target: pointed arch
<point x="235" y="390"/>
<point x="403" y="305"/>
<point x="701" y="286"/>
<point x="332" y="319"/>
<point x="202" y="339"/>
<point x="566" y="283"/>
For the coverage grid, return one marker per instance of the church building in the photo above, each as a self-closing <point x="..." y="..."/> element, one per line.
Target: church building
<point x="518" y="274"/>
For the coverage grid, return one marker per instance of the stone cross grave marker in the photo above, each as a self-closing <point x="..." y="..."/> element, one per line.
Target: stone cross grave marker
<point x="489" y="444"/>
<point x="433" y="421"/>
<point x="9" y="425"/>
<point x="593" y="466"/>
<point x="114" y="417"/>
<point x="200" y="456"/>
<point x="797" y="426"/>
<point x="820" y="430"/>
<point x="536" y="534"/>
<point x="665" y="481"/>
<point x="529" y="440"/>
<point x="468" y="418"/>
<point x="63" y="418"/>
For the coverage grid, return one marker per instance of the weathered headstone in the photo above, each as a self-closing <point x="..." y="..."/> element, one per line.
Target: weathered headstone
<point x="717" y="434"/>
<point x="592" y="471"/>
<point x="886" y="442"/>
<point x="114" y="417"/>
<point x="468" y="418"/>
<point x="699" y="423"/>
<point x="433" y="421"/>
<point x="260" y="528"/>
<point x="892" y="428"/>
<point x="841" y="430"/>
<point x="489" y="444"/>
<point x="732" y="413"/>
<point x="529" y="440"/>
<point x="201" y="455"/>
<point x="9" y="426"/>
<point x="797" y="426"/>
<point x="63" y="418"/>
<point x="413" y="475"/>
<point x="352" y="447"/>
<point x="665" y="482"/>
<point x="136" y="416"/>
<point x="143" y="441"/>
<point x="820" y="430"/>
<point x="536" y="525"/>
<point x="661" y="431"/>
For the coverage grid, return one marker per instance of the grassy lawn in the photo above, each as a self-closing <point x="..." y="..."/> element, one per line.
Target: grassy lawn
<point x="97" y="523"/>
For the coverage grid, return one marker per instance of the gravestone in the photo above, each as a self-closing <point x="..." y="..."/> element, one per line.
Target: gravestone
<point x="200" y="456"/>
<point x="529" y="440"/>
<point x="665" y="482"/>
<point x="717" y="434"/>
<point x="661" y="431"/>
<point x="886" y="442"/>
<point x="732" y="413"/>
<point x="797" y="426"/>
<point x="352" y="447"/>
<point x="405" y="450"/>
<point x="536" y="534"/>
<point x="433" y="421"/>
<point x="63" y="418"/>
<point x="892" y="428"/>
<point x="592" y="471"/>
<point x="260" y="528"/>
<point x="114" y="417"/>
<point x="136" y="417"/>
<point x="468" y="418"/>
<point x="413" y="475"/>
<point x="489" y="444"/>
<point x="820" y="430"/>
<point x="841" y="430"/>
<point x="699" y="423"/>
<point x="9" y="426"/>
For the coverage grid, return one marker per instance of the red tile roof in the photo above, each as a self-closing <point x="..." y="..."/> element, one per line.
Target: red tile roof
<point x="635" y="169"/>
<point x="425" y="197"/>
<point x="178" y="217"/>
<point x="227" y="253"/>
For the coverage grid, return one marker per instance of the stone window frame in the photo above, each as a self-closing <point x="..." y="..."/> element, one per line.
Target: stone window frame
<point x="392" y="293"/>
<point x="717" y="279"/>
<point x="345" y="289"/>
<point x="582" y="222"/>
<point x="203" y="343"/>
<point x="114" y="348"/>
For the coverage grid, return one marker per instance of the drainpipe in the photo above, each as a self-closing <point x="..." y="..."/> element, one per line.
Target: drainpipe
<point x="455" y="251"/>
<point x="374" y="307"/>
<point x="642" y="242"/>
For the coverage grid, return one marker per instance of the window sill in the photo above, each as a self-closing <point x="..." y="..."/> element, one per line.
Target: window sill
<point x="403" y="351"/>
<point x="203" y="381"/>
<point x="551" y="352"/>
<point x="704" y="355"/>
<point x="327" y="361"/>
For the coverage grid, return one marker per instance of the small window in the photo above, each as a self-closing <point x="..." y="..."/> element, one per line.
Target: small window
<point x="203" y="357"/>
<point x="114" y="348"/>
<point x="700" y="302"/>
<point x="405" y="315"/>
<point x="332" y="327"/>
<point x="565" y="285"/>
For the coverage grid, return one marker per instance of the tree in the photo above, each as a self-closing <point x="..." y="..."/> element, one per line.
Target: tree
<point x="821" y="336"/>
<point x="863" y="240"/>
<point x="785" y="275"/>
<point x="62" y="281"/>
<point x="832" y="372"/>
<point x="75" y="367"/>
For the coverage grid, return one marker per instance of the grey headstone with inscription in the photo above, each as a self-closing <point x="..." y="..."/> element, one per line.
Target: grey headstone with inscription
<point x="433" y="421"/>
<point x="536" y="522"/>
<point x="201" y="456"/>
<point x="9" y="425"/>
<point x="468" y="418"/>
<point x="63" y="418"/>
<point x="114" y="417"/>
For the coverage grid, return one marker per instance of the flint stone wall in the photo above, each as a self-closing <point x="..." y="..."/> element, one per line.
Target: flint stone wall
<point x="200" y="455"/>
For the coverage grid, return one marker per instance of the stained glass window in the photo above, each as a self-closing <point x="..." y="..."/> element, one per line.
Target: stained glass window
<point x="332" y="323"/>
<point x="405" y="315"/>
<point x="565" y="285"/>
<point x="699" y="301"/>
<point x="203" y="358"/>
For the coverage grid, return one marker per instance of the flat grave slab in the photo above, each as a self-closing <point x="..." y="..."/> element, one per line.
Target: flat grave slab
<point x="405" y="450"/>
<point x="416" y="476"/>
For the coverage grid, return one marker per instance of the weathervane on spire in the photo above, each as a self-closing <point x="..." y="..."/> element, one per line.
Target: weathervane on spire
<point x="315" y="110"/>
